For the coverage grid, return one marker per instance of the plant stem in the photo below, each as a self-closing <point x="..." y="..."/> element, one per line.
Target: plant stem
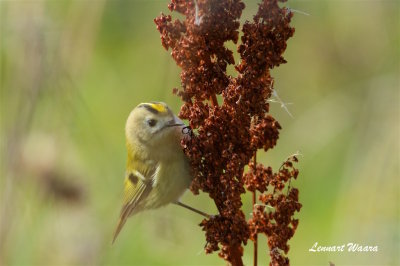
<point x="255" y="254"/>
<point x="234" y="251"/>
<point x="236" y="256"/>
<point x="214" y="101"/>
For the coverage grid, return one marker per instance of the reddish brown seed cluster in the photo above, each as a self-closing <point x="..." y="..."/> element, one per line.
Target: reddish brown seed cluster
<point x="227" y="135"/>
<point x="274" y="217"/>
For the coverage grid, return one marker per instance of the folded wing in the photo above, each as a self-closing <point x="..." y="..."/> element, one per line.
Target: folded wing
<point x="136" y="188"/>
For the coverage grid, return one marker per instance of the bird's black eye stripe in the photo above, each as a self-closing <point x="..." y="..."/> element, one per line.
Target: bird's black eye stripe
<point x="152" y="122"/>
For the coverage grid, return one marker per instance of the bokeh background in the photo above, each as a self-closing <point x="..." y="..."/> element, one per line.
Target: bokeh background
<point x="71" y="71"/>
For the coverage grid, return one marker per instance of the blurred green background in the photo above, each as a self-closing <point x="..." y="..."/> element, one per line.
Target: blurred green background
<point x="71" y="71"/>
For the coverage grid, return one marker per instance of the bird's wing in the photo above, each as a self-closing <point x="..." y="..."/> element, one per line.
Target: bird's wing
<point x="136" y="188"/>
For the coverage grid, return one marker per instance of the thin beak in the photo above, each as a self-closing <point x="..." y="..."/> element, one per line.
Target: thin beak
<point x="174" y="123"/>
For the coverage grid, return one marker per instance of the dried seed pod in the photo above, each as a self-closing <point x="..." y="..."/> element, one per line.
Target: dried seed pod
<point x="226" y="136"/>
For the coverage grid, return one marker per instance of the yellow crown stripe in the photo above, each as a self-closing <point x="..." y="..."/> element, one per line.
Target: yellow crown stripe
<point x="159" y="107"/>
<point x="155" y="107"/>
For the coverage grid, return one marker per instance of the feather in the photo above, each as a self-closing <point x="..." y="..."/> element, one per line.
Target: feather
<point x="137" y="188"/>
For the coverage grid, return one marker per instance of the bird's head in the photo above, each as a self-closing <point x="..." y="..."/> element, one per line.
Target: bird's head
<point x="151" y="123"/>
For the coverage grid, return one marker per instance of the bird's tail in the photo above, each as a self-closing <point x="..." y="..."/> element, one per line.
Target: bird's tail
<point x="120" y="224"/>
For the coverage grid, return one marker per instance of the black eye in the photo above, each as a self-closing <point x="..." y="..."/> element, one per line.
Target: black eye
<point x="152" y="122"/>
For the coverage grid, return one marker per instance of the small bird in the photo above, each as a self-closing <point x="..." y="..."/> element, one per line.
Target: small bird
<point x="157" y="171"/>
